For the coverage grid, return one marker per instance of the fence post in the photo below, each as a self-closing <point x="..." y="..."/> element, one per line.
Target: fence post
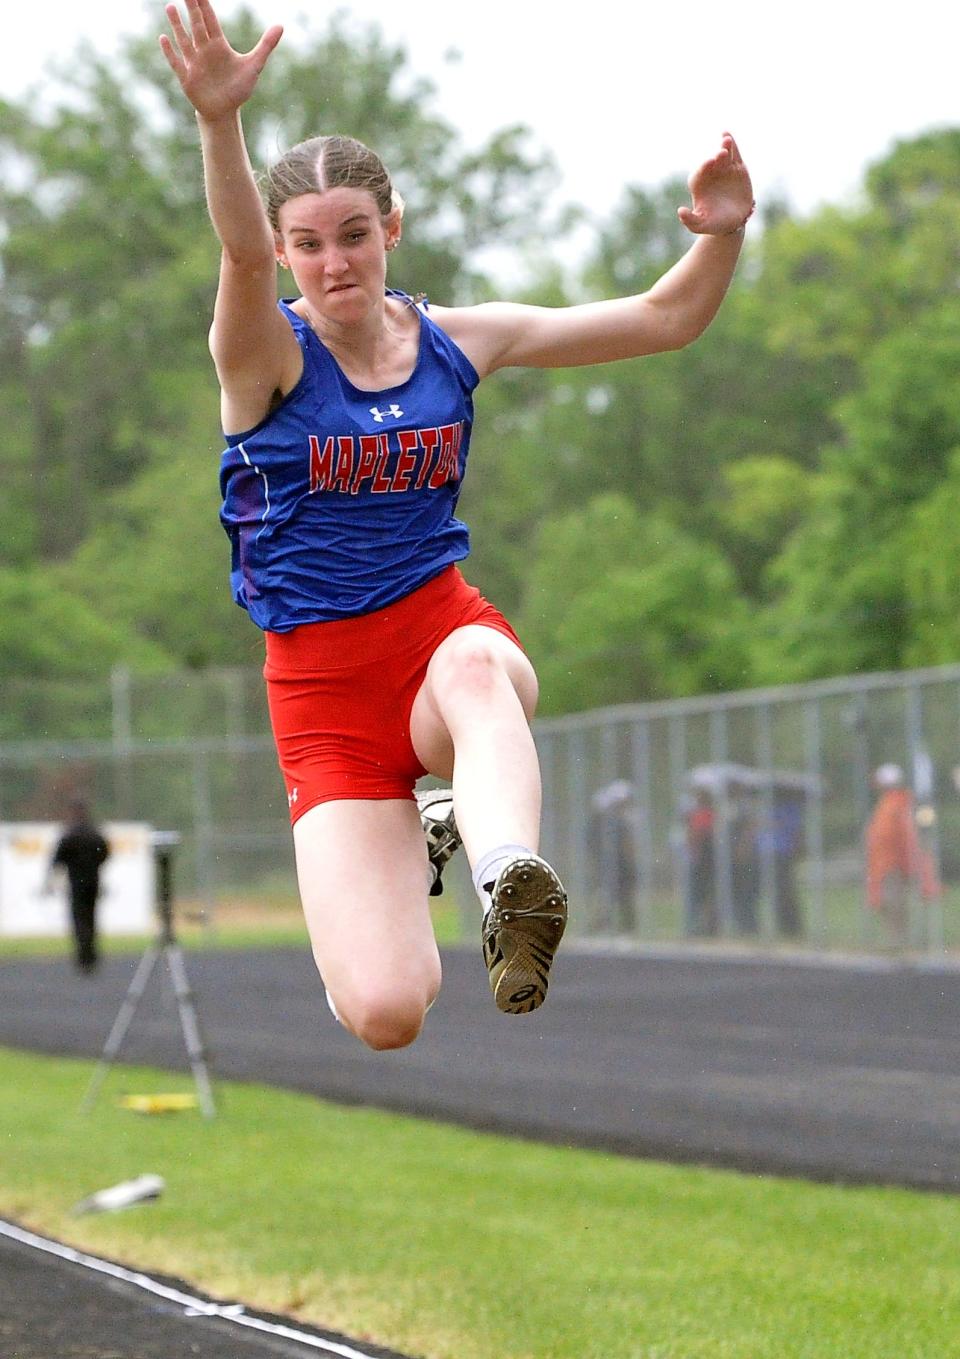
<point x="722" y="846"/>
<point x="640" y="771"/>
<point x="603" y="846"/>
<point x="578" y="808"/>
<point x="546" y="751"/>
<point x="815" y="856"/>
<point x="854" y="718"/>
<point x="680" y="858"/>
<point x="929" y="914"/>
<point x="770" y="914"/>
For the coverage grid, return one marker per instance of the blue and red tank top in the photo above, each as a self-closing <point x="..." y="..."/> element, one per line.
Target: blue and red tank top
<point x="343" y="501"/>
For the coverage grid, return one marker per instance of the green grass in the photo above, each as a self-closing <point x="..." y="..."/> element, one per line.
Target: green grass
<point x="279" y="928"/>
<point x="271" y="918"/>
<point x="846" y="926"/>
<point x="252" y="936"/>
<point x="30" y="946"/>
<point x="457" y="1245"/>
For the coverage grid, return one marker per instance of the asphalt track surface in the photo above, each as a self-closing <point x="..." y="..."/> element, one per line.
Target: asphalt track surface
<point x="835" y="1072"/>
<point x="54" y="1308"/>
<point x="830" y="1072"/>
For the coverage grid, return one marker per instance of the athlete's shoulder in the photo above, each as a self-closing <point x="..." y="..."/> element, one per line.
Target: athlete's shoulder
<point x="477" y="330"/>
<point x="288" y="307"/>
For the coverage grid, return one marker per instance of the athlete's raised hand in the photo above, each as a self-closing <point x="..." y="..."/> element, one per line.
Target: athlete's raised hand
<point x="215" y="78"/>
<point x="722" y="193"/>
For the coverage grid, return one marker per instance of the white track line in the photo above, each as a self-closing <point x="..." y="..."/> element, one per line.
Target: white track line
<point x="194" y="1307"/>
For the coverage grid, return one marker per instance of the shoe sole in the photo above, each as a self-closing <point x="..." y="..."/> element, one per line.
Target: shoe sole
<point x="521" y="933"/>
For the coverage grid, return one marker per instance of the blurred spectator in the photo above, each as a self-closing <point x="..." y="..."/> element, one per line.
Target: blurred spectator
<point x="700" y="823"/>
<point x="81" y="852"/>
<point x="786" y="845"/>
<point x="896" y="861"/>
<point x="613" y="840"/>
<point x="745" y="861"/>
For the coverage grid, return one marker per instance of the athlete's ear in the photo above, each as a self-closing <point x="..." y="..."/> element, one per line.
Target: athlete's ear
<point x="392" y="228"/>
<point x="281" y="253"/>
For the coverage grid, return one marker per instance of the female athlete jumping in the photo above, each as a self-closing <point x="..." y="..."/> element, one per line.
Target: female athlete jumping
<point x="347" y="413"/>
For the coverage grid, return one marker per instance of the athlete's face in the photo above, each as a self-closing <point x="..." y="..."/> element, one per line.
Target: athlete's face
<point x="335" y="245"/>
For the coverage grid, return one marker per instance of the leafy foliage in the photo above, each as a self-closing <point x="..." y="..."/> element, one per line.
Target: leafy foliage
<point x="777" y="502"/>
<point x="643" y="605"/>
<point x="109" y="271"/>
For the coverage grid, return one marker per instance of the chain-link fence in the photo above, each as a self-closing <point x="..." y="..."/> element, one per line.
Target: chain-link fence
<point x="738" y="817"/>
<point x="757" y="815"/>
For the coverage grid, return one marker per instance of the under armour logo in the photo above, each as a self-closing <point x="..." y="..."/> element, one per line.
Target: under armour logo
<point x="378" y="414"/>
<point x="292" y="797"/>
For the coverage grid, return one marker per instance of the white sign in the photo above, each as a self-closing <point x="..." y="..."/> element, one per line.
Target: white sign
<point x="127" y="880"/>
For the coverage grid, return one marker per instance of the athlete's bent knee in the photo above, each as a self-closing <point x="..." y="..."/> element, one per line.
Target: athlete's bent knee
<point x="385" y="1021"/>
<point x="386" y="1028"/>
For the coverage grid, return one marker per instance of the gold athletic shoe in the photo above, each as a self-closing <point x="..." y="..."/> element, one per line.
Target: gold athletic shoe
<point x="521" y="931"/>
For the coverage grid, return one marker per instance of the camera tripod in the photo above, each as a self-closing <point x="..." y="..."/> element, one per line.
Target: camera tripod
<point x="164" y="946"/>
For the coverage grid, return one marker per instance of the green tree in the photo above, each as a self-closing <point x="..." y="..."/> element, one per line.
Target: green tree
<point x="932" y="572"/>
<point x="761" y="501"/>
<point x="109" y="267"/>
<point x="843" y="602"/>
<point x="764" y="506"/>
<point x="624" y="606"/>
<point x="159" y="565"/>
<point x="65" y="637"/>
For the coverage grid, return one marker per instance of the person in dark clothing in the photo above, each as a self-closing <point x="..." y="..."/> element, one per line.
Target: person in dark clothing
<point x="702" y="905"/>
<point x="614" y="825"/>
<point x="787" y="844"/>
<point x="745" y="867"/>
<point x="81" y="852"/>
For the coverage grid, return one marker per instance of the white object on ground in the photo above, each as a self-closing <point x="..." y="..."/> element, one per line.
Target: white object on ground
<point x="142" y="1189"/>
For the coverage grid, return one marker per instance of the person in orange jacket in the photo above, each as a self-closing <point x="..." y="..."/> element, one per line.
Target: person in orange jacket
<point x="895" y="856"/>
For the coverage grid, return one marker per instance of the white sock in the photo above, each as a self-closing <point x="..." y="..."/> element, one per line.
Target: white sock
<point x="491" y="865"/>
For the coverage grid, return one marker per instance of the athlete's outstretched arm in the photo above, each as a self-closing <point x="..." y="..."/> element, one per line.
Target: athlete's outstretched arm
<point x="249" y="340"/>
<point x="678" y="308"/>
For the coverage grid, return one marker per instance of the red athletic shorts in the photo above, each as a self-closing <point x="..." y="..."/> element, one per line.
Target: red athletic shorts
<point x="340" y="693"/>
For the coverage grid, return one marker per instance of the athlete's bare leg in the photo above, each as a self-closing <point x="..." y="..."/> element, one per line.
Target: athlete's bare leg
<point x="371" y="930"/>
<point x="471" y="723"/>
<point x="362" y="868"/>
